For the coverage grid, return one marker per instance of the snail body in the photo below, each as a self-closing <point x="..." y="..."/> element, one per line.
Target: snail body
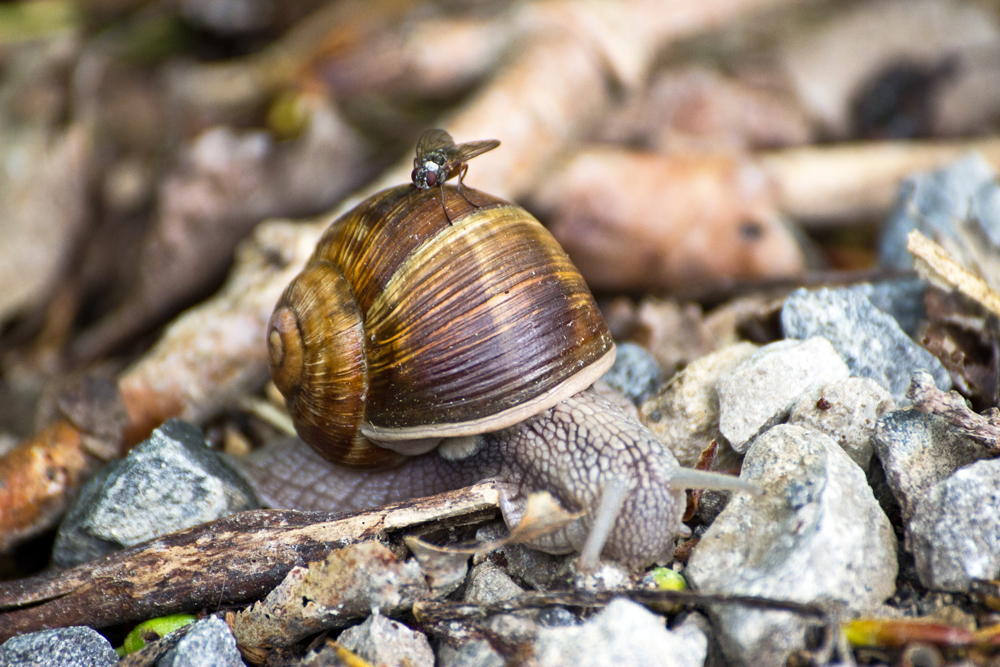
<point x="473" y="333"/>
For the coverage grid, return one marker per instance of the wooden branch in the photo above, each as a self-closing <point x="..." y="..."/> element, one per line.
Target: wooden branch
<point x="233" y="560"/>
<point x="824" y="185"/>
<point x="435" y="611"/>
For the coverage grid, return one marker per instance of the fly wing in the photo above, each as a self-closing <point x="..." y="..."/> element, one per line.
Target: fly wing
<point x="432" y="140"/>
<point x="471" y="149"/>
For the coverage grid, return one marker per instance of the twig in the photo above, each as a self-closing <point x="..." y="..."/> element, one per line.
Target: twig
<point x="926" y="397"/>
<point x="232" y="560"/>
<point x="935" y="264"/>
<point x="823" y="185"/>
<point x="432" y="611"/>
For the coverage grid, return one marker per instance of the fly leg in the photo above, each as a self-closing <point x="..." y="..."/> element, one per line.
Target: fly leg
<point x="461" y="175"/>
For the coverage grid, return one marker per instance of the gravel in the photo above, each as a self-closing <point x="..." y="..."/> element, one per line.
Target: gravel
<point x="869" y="340"/>
<point x="169" y="482"/>
<point x="759" y="392"/>
<point x="955" y="530"/>
<point x="65" y="647"/>
<point x="817" y="535"/>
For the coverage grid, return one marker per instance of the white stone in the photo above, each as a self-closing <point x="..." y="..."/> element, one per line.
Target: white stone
<point x="760" y="391"/>
<point x="817" y="535"/>
<point x="685" y="415"/>
<point x="625" y="633"/>
<point x="383" y="641"/>
<point x="955" y="530"/>
<point x="847" y="411"/>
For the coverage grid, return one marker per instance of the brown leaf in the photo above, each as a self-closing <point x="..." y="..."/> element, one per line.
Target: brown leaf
<point x="444" y="568"/>
<point x="695" y="109"/>
<point x="225" y="183"/>
<point x="542" y="515"/>
<point x="966" y="342"/>
<point x="674" y="333"/>
<point x="634" y="221"/>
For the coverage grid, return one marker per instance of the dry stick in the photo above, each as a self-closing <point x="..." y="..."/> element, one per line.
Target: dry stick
<point x="38" y="478"/>
<point x="828" y="185"/>
<point x="934" y="264"/>
<point x="950" y="405"/>
<point x="232" y="560"/>
<point x="540" y="103"/>
<point x="432" y="611"/>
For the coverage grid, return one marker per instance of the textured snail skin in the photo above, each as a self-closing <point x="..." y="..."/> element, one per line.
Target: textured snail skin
<point x="572" y="450"/>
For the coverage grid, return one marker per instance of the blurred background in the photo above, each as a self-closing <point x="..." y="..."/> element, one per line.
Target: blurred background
<point x="684" y="152"/>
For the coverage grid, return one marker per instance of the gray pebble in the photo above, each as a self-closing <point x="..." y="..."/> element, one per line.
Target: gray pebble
<point x="552" y="617"/>
<point x="955" y="529"/>
<point x="487" y="583"/>
<point x="902" y="299"/>
<point x="869" y="340"/>
<point x="209" y="643"/>
<point x="383" y="641"/>
<point x="934" y="202"/>
<point x="477" y="652"/>
<point x="635" y="373"/>
<point x="817" y="535"/>
<point x="76" y="646"/>
<point x="539" y="570"/>
<point x="917" y="450"/>
<point x="847" y="411"/>
<point x="624" y="633"/>
<point x="759" y="392"/>
<point x="169" y="482"/>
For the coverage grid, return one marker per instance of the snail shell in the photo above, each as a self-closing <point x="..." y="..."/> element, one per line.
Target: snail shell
<point x="404" y="329"/>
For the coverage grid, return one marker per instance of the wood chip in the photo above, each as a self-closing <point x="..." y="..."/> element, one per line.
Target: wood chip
<point x="935" y="265"/>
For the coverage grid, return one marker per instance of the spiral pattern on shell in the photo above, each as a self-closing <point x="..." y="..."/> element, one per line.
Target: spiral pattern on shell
<point x="407" y="327"/>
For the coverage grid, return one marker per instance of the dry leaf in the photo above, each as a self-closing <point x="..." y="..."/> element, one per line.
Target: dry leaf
<point x="224" y="185"/>
<point x="444" y="567"/>
<point x="829" y="64"/>
<point x="635" y="221"/>
<point x="697" y="110"/>
<point x="542" y="516"/>
<point x="42" y="211"/>
<point x="965" y="339"/>
<point x="674" y="333"/>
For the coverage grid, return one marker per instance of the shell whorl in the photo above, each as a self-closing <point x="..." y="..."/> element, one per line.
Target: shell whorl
<point x="316" y="351"/>
<point x="450" y="328"/>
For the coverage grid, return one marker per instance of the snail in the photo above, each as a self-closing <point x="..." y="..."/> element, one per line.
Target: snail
<point x="420" y="352"/>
